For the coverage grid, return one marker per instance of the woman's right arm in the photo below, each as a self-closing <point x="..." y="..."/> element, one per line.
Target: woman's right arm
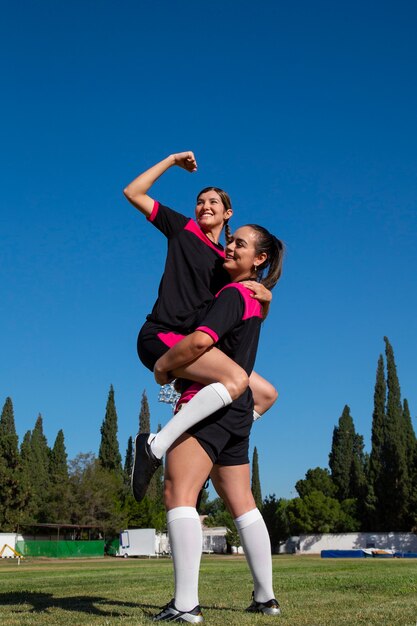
<point x="136" y="191"/>
<point x="184" y="352"/>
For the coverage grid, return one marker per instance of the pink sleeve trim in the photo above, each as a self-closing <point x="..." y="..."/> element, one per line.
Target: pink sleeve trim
<point x="154" y="213"/>
<point x="210" y="332"/>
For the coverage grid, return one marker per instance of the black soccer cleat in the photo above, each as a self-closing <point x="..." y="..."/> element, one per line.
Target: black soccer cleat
<point x="145" y="465"/>
<point x="170" y="614"/>
<point x="271" y="607"/>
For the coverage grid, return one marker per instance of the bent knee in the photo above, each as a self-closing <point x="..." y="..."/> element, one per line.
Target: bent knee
<point x="272" y="395"/>
<point x="265" y="397"/>
<point x="238" y="384"/>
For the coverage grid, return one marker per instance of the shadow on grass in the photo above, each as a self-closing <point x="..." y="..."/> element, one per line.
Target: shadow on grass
<point x="41" y="602"/>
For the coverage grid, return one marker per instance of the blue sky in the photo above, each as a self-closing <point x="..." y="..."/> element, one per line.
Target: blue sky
<point x="304" y="112"/>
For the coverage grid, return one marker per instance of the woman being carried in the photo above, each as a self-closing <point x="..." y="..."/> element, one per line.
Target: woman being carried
<point x="193" y="274"/>
<point x="219" y="445"/>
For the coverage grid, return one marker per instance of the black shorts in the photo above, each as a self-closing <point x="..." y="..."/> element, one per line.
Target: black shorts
<point x="223" y="447"/>
<point x="154" y="341"/>
<point x="225" y="434"/>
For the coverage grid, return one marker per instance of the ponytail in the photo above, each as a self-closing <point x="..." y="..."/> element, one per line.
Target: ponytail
<point x="274" y="249"/>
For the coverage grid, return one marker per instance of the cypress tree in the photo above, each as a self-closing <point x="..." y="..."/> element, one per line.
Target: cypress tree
<point x="413" y="494"/>
<point x="26" y="456"/>
<point x="377" y="456"/>
<point x="409" y="435"/>
<point x="394" y="499"/>
<point x="11" y="488"/>
<point x="256" y="483"/>
<point x="58" y="502"/>
<point x="144" y="415"/>
<point x="410" y="443"/>
<point x="127" y="469"/>
<point x="357" y="487"/>
<point x="341" y="455"/>
<point x="8" y="437"/>
<point x="39" y="470"/>
<point x="109" y="454"/>
<point x="58" y="462"/>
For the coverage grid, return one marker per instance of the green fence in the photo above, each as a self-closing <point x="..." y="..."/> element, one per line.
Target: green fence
<point x="112" y="547"/>
<point x="61" y="549"/>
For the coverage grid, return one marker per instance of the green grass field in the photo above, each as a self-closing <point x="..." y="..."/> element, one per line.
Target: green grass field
<point x="312" y="591"/>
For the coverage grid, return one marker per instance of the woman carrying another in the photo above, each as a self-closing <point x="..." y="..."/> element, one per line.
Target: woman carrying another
<point x="193" y="274"/>
<point x="219" y="445"/>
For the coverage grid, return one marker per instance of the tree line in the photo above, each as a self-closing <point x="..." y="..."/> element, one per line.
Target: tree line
<point x="358" y="491"/>
<point x="39" y="485"/>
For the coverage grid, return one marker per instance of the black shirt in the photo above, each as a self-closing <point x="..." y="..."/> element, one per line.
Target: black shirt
<point x="193" y="272"/>
<point x="234" y="322"/>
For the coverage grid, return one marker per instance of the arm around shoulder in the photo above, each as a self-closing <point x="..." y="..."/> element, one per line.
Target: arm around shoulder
<point x="260" y="293"/>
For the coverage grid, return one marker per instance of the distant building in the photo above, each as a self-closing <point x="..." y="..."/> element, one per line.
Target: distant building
<point x="314" y="544"/>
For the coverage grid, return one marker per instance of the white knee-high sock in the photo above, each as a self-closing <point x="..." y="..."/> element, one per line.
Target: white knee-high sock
<point x="186" y="540"/>
<point x="257" y="546"/>
<point x="207" y="401"/>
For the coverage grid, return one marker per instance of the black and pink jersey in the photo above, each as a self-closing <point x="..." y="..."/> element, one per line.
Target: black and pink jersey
<point x="193" y="271"/>
<point x="234" y="322"/>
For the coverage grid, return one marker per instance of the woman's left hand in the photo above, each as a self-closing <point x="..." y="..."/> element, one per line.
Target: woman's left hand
<point x="260" y="292"/>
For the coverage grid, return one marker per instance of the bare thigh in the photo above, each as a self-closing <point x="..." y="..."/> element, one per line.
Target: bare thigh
<point x="215" y="366"/>
<point x="232" y="483"/>
<point x="186" y="470"/>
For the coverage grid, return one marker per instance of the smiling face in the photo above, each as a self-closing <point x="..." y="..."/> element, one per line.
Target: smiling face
<point x="241" y="257"/>
<point x="211" y="213"/>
